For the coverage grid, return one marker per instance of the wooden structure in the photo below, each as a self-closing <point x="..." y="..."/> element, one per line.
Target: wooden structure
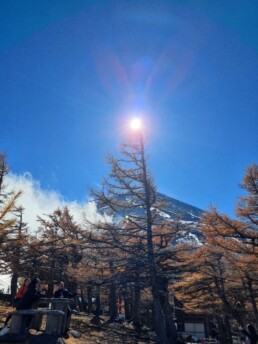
<point x="63" y="306"/>
<point x="57" y="312"/>
<point x="53" y="323"/>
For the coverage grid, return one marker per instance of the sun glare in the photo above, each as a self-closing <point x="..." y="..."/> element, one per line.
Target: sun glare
<point x="136" y="123"/>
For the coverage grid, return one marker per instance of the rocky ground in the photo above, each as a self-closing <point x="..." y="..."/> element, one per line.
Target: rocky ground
<point x="89" y="333"/>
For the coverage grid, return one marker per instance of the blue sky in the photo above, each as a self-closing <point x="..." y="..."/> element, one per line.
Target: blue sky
<point x="72" y="71"/>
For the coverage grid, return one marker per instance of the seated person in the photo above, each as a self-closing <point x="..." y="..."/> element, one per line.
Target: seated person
<point x="21" y="291"/>
<point x="32" y="295"/>
<point x="62" y="292"/>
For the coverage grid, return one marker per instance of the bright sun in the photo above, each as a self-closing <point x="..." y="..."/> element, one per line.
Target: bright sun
<point x="135" y="123"/>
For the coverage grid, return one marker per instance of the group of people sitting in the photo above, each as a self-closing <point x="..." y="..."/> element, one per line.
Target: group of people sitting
<point x="31" y="291"/>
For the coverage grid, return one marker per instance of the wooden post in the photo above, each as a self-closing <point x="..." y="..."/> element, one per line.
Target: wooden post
<point x="89" y="298"/>
<point x="36" y="322"/>
<point x="54" y="324"/>
<point x="16" y="323"/>
<point x="62" y="305"/>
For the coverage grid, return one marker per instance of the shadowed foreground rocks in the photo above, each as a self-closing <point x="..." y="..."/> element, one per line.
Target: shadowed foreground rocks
<point x="88" y="333"/>
<point x="31" y="339"/>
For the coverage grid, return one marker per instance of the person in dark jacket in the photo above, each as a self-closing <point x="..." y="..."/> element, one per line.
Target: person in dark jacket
<point x="31" y="295"/>
<point x="251" y="334"/>
<point x="21" y="291"/>
<point x="62" y="292"/>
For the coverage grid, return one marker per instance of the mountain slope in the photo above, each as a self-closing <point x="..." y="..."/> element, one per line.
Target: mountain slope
<point x="174" y="209"/>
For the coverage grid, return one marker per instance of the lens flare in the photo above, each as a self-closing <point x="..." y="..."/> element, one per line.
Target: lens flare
<point x="136" y="124"/>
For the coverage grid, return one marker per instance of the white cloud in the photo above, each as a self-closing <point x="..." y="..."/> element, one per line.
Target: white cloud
<point x="38" y="201"/>
<point x="5" y="282"/>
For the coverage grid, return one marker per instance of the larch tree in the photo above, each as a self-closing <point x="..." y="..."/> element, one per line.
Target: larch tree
<point x="131" y="195"/>
<point x="8" y="201"/>
<point x="206" y="285"/>
<point x="16" y="249"/>
<point x="58" y="245"/>
<point x="238" y="238"/>
<point x="247" y="207"/>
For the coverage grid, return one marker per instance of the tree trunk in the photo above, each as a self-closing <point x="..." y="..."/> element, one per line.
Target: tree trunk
<point x="228" y="328"/>
<point x="72" y="286"/>
<point x="224" y="330"/>
<point x="159" y="316"/>
<point x="112" y="302"/>
<point x="220" y="329"/>
<point x="159" y="320"/>
<point x="82" y="303"/>
<point x="97" y="301"/>
<point x="171" y="330"/>
<point x="128" y="313"/>
<point x="89" y="298"/>
<point x="14" y="281"/>
<point x="136" y="301"/>
<point x="227" y="308"/>
<point x="252" y="299"/>
<point x="112" y="295"/>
